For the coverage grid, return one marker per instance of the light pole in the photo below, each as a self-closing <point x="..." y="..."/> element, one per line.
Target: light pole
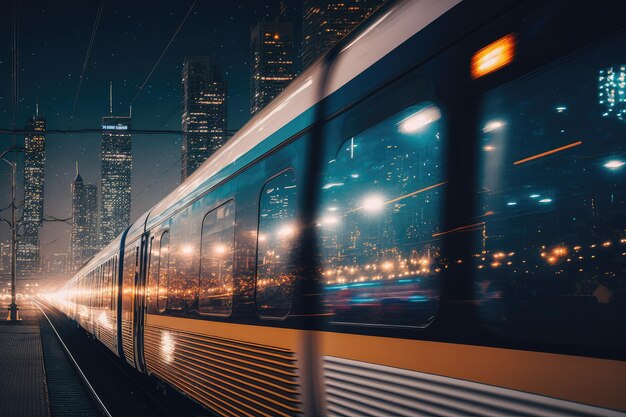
<point x="13" y="309"/>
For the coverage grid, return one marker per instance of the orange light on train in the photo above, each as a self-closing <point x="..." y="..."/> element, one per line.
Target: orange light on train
<point x="493" y="57"/>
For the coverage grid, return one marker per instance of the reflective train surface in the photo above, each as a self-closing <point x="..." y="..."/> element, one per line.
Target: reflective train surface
<point x="431" y="220"/>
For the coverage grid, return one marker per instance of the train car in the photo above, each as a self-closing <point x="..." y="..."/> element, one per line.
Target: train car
<point x="427" y="221"/>
<point x="92" y="297"/>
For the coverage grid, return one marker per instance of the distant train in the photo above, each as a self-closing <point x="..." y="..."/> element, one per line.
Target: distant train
<point x="431" y="220"/>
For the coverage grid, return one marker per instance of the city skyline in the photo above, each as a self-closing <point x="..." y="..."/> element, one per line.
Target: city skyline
<point x="150" y="181"/>
<point x="123" y="52"/>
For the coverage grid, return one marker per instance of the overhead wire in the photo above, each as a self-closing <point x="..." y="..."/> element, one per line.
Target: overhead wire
<point x="156" y="64"/>
<point x="94" y="30"/>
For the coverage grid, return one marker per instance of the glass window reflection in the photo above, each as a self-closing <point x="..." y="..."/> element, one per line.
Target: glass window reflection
<point x="216" y="262"/>
<point x="276" y="238"/>
<point x="551" y="258"/>
<point x="380" y="215"/>
<point x="162" y="271"/>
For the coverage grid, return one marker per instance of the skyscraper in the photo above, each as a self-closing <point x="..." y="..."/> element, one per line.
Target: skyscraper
<point x="28" y="256"/>
<point x="58" y="264"/>
<point x="116" y="167"/>
<point x="203" y="112"/>
<point x="84" y="236"/>
<point x="611" y="92"/>
<point x="272" y="58"/>
<point x="326" y="22"/>
<point x="5" y="258"/>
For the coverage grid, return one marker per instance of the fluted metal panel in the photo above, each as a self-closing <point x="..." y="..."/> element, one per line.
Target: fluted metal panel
<point x="362" y="389"/>
<point x="231" y="377"/>
<point x="127" y="341"/>
<point x="107" y="332"/>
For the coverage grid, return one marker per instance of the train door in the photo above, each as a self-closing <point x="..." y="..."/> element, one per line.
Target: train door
<point x="139" y="303"/>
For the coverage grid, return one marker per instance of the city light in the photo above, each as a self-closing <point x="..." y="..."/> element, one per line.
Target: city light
<point x="329" y="220"/>
<point x="286" y="230"/>
<point x="614" y="164"/>
<point x="493" y="125"/>
<point x="220" y="249"/>
<point x="420" y="119"/>
<point x="332" y="184"/>
<point x="373" y="203"/>
<point x="512" y="203"/>
<point x="545" y="200"/>
<point x="534" y="196"/>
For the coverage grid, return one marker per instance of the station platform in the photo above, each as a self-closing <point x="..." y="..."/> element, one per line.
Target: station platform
<point x="33" y="367"/>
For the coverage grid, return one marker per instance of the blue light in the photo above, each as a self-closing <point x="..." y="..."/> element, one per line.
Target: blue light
<point x="362" y="300"/>
<point x="535" y="196"/>
<point x="512" y="203"/>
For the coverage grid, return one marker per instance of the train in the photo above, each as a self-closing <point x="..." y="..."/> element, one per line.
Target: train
<point x="430" y="220"/>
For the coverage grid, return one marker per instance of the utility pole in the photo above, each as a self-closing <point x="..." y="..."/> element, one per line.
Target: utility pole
<point x="13" y="308"/>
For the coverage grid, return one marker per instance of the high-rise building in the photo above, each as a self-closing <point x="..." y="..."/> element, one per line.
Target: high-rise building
<point x="84" y="236"/>
<point x="612" y="92"/>
<point x="203" y="112"/>
<point x="273" y="61"/>
<point x="58" y="264"/>
<point x="5" y="258"/>
<point x="326" y="22"/>
<point x="116" y="168"/>
<point x="28" y="256"/>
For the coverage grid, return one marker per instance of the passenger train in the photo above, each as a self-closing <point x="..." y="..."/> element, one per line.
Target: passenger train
<point x="430" y="220"/>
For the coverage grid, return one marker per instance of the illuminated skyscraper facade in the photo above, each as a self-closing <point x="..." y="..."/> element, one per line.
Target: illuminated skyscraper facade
<point x="272" y="59"/>
<point x="28" y="256"/>
<point x="203" y="112"/>
<point x="326" y="22"/>
<point x="84" y="237"/>
<point x="612" y="92"/>
<point x="116" y="167"/>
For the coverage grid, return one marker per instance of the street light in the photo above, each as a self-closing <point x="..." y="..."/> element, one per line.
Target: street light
<point x="13" y="309"/>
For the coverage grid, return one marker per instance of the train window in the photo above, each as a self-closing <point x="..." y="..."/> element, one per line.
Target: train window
<point x="380" y="219"/>
<point x="162" y="274"/>
<point x="184" y="262"/>
<point x="216" y="260"/>
<point x="276" y="238"/>
<point x="551" y="260"/>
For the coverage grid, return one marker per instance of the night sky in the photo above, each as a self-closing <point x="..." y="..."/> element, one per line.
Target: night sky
<point x="54" y="37"/>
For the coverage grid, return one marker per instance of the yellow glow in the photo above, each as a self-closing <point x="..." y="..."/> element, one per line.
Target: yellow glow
<point x="287" y="230"/>
<point x="220" y="249"/>
<point x="493" y="57"/>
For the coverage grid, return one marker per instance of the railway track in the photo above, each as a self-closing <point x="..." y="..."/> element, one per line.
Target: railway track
<point x="112" y="388"/>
